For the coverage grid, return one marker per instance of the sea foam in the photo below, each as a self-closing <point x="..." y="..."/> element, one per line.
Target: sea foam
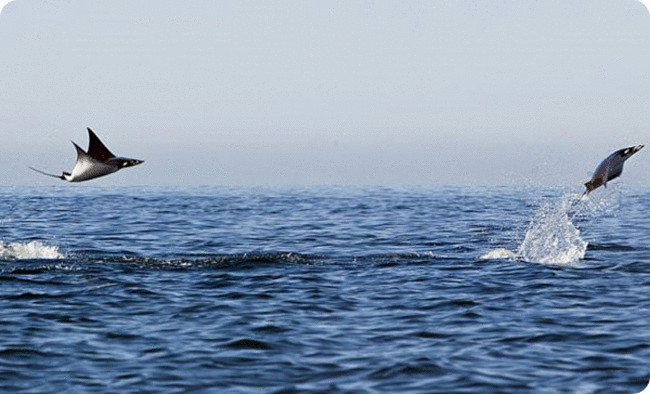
<point x="29" y="250"/>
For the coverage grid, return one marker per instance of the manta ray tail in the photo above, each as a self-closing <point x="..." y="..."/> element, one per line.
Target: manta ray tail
<point x="45" y="173"/>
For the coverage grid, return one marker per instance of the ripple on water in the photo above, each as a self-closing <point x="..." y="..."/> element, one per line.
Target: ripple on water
<point x="248" y="344"/>
<point x="322" y="290"/>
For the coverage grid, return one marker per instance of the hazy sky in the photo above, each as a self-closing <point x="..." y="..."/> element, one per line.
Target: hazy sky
<point x="326" y="92"/>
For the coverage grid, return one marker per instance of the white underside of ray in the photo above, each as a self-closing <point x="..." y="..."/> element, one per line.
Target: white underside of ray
<point x="86" y="168"/>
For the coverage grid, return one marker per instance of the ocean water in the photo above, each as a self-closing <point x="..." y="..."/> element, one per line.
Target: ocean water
<point x="324" y="289"/>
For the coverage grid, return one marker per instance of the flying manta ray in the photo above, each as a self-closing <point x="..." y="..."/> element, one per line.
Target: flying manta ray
<point x="610" y="168"/>
<point x="98" y="161"/>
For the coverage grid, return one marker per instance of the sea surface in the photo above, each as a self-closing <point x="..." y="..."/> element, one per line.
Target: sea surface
<point x="324" y="289"/>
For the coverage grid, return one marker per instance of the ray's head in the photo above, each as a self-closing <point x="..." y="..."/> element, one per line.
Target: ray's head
<point x="124" y="162"/>
<point x="628" y="152"/>
<point x="131" y="163"/>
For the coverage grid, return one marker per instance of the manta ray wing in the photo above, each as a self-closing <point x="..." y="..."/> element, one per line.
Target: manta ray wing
<point x="96" y="149"/>
<point x="615" y="172"/>
<point x="80" y="152"/>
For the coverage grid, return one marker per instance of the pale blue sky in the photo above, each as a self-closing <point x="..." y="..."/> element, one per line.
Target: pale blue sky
<point x="349" y="92"/>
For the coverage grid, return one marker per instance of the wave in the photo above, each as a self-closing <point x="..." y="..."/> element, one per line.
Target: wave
<point x="237" y="261"/>
<point x="257" y="259"/>
<point x="36" y="250"/>
<point x="222" y="261"/>
<point x="28" y="251"/>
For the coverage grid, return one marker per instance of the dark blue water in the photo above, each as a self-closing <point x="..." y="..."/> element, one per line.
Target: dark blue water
<point x="324" y="289"/>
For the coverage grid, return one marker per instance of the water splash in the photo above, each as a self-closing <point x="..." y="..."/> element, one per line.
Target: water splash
<point x="30" y="250"/>
<point x="552" y="238"/>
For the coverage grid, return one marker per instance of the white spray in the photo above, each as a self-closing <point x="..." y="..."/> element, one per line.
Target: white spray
<point x="552" y="237"/>
<point x="30" y="250"/>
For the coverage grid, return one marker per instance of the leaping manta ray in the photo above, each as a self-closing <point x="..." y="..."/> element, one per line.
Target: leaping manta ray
<point x="98" y="161"/>
<point x="610" y="168"/>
